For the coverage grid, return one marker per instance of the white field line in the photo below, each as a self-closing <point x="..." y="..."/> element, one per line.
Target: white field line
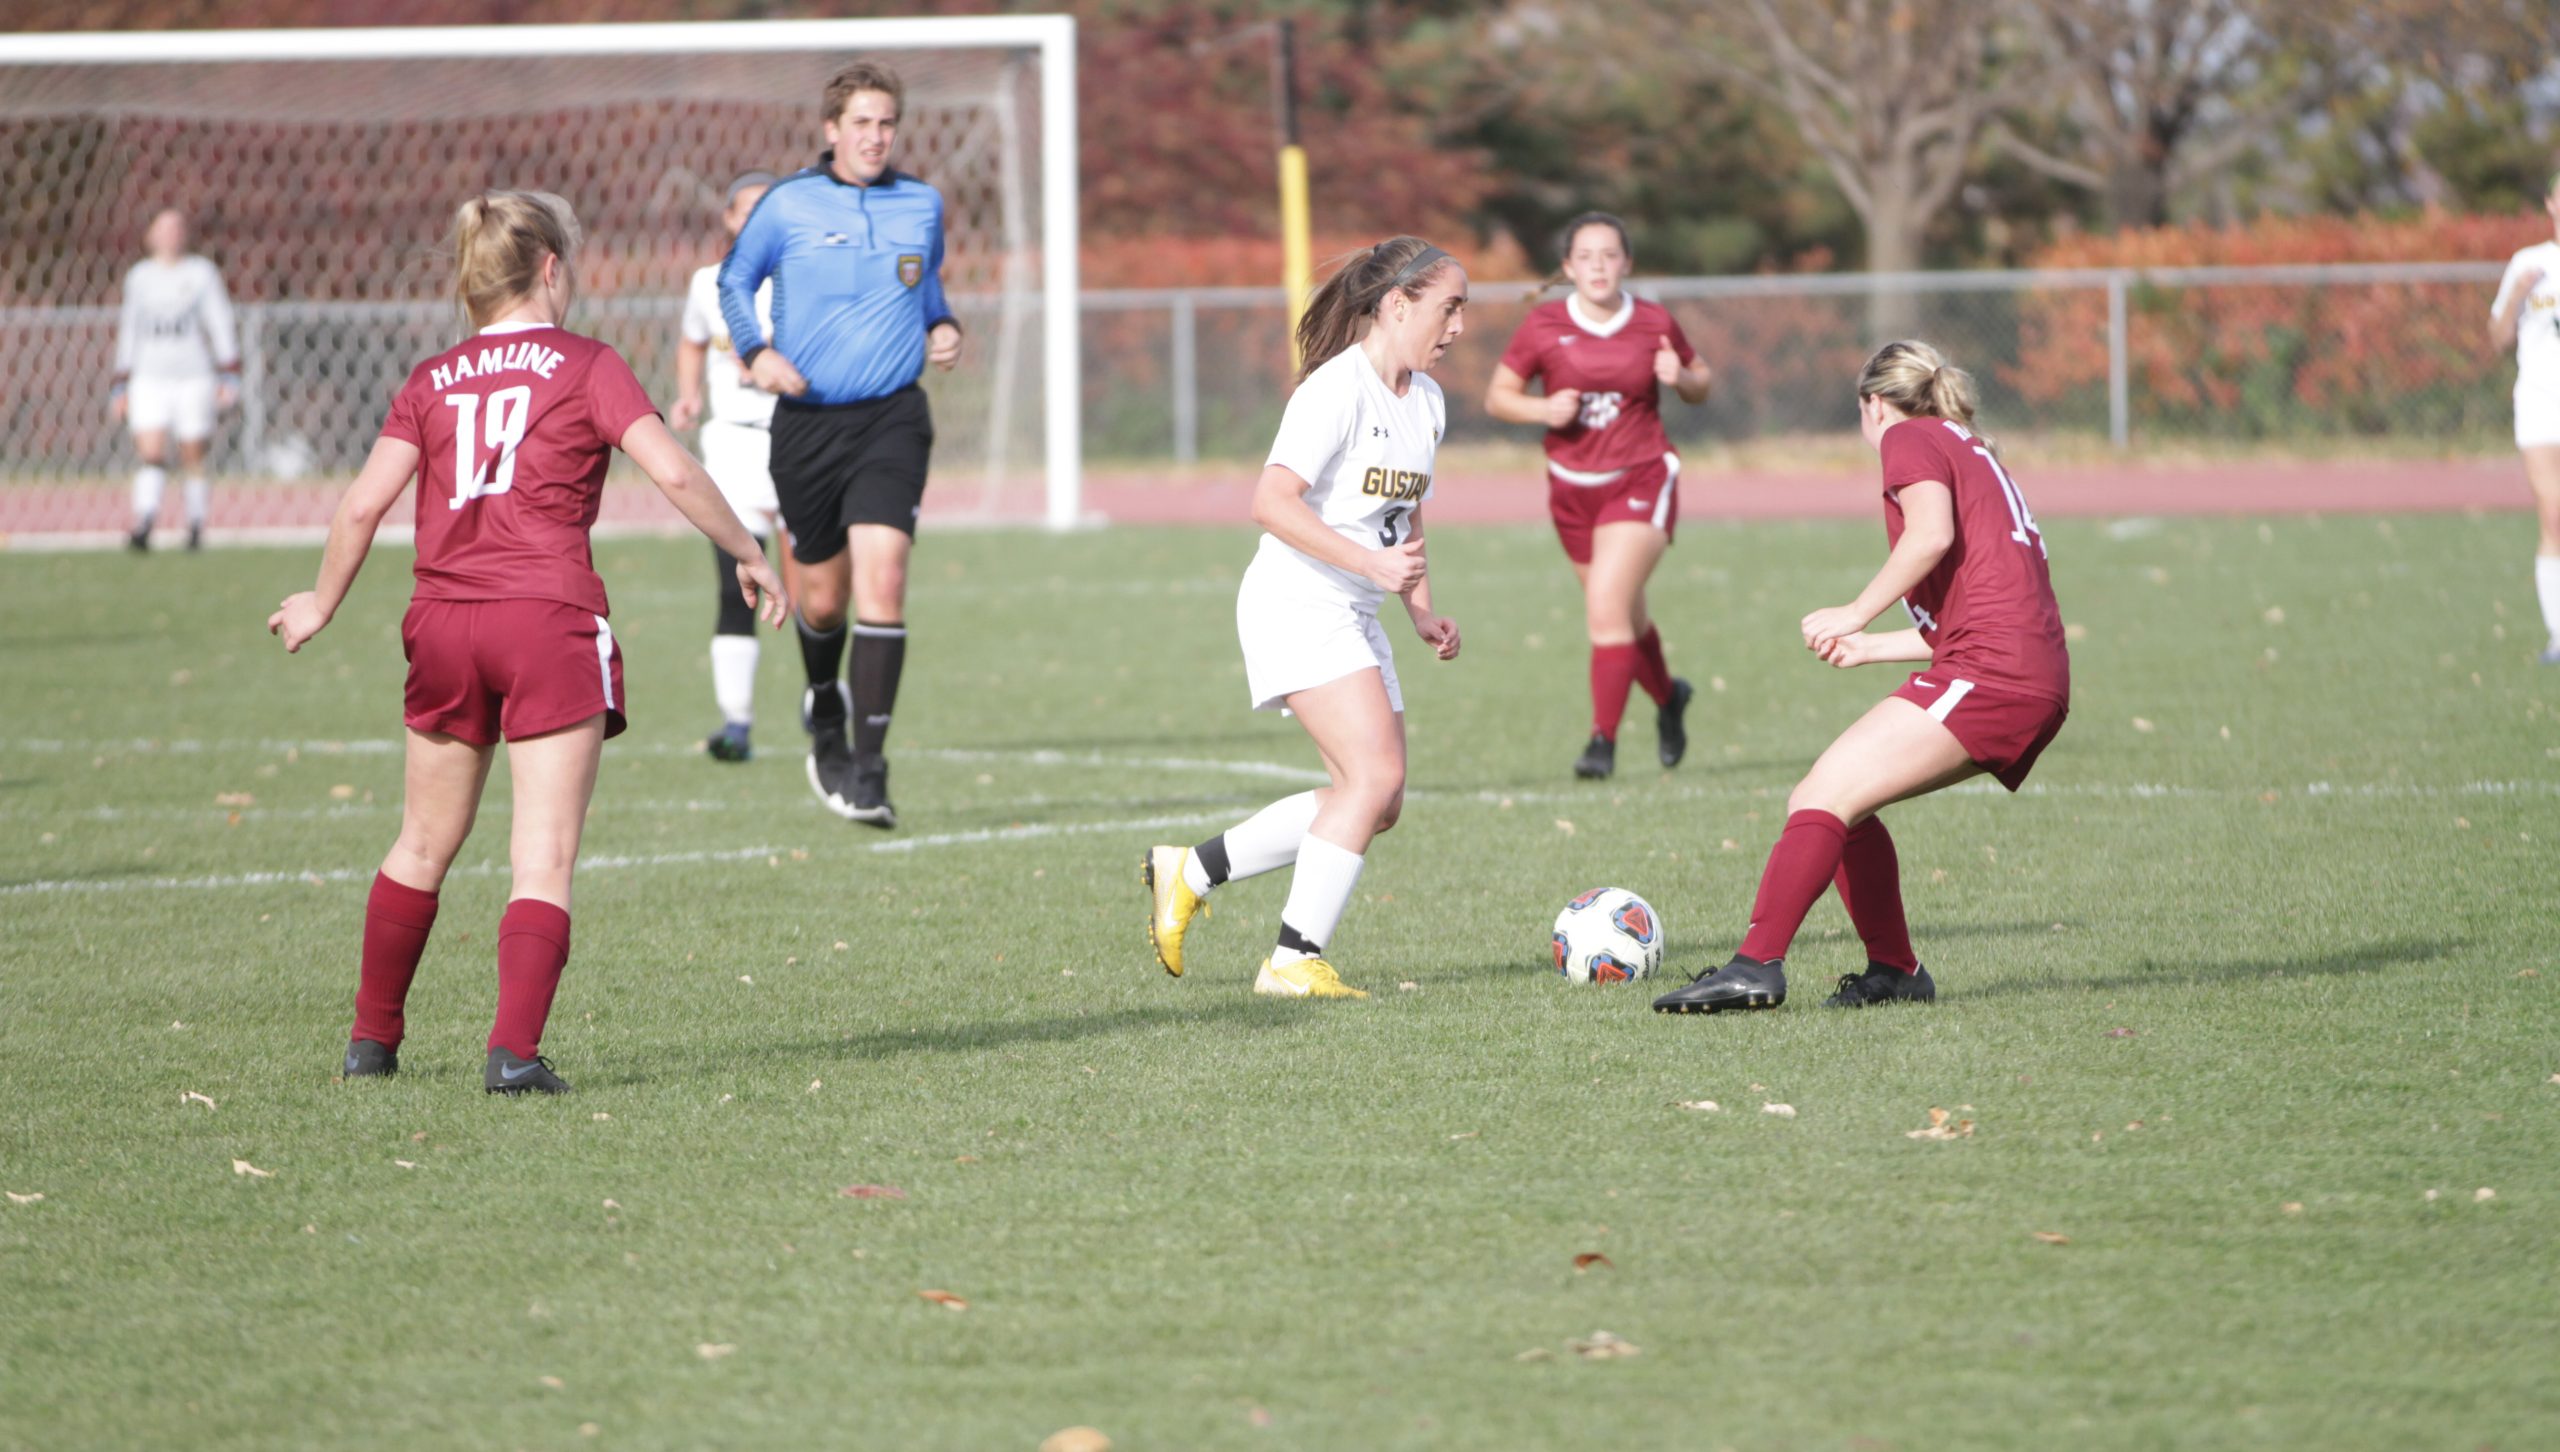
<point x="1031" y="830"/>
<point x="314" y="877"/>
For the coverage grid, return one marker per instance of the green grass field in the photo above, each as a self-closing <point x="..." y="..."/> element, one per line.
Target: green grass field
<point x="2251" y="996"/>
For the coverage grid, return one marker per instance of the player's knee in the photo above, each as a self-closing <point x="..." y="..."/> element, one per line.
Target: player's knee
<point x="1392" y="813"/>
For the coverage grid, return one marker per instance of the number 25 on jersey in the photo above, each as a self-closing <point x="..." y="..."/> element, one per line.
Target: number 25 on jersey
<point x="498" y="432"/>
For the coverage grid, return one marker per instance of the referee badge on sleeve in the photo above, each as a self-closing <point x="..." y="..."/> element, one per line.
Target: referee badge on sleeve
<point x="911" y="269"/>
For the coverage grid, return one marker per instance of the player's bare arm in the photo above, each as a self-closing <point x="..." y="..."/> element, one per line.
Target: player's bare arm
<point x="386" y="474"/>
<point x="1280" y="508"/>
<point x="688" y="487"/>
<point x="1693" y="381"/>
<point x="1858" y="648"/>
<point x="686" y="411"/>
<point x="1437" y="630"/>
<point x="2502" y="325"/>
<point x="1508" y="398"/>
<point x="1928" y="532"/>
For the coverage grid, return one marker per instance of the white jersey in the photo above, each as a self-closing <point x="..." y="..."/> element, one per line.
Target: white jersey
<point x="1366" y="456"/>
<point x="2538" y="322"/>
<point x="734" y="400"/>
<point x="176" y="324"/>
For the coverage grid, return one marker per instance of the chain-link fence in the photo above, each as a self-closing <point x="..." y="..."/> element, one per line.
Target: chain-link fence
<point x="2135" y="357"/>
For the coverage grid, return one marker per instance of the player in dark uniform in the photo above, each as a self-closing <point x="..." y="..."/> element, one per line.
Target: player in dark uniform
<point x="1968" y="563"/>
<point x="1613" y="479"/>
<point x="507" y="435"/>
<point x="854" y="247"/>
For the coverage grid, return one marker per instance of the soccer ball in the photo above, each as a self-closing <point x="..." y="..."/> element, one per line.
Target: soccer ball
<point x="1608" y="935"/>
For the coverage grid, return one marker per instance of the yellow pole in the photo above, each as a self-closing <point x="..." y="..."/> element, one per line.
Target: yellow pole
<point x="1297" y="261"/>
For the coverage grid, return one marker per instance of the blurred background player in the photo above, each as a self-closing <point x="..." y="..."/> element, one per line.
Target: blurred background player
<point x="736" y="441"/>
<point x="1612" y="476"/>
<point x="1968" y="562"/>
<point x="855" y="247"/>
<point x="177" y="366"/>
<point x="2526" y="316"/>
<point x="1340" y="503"/>
<point x="508" y="434"/>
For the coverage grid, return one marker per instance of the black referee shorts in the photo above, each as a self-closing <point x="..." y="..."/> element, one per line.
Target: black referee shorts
<point x="839" y="465"/>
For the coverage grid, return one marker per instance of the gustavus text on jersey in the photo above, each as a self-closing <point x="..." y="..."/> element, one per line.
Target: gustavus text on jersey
<point x="1395" y="483"/>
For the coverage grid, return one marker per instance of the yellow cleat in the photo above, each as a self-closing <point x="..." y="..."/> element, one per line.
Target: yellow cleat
<point x="1306" y="978"/>
<point x="1175" y="904"/>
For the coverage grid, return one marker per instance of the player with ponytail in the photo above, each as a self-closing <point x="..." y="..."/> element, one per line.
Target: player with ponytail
<point x="507" y="435"/>
<point x="2526" y="317"/>
<point x="1968" y="562"/>
<point x="1340" y="503"/>
<point x="1613" y="479"/>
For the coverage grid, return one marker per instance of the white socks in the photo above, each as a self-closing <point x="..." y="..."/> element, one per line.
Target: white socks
<point x="1318" y="892"/>
<point x="149" y="482"/>
<point x="1264" y="842"/>
<point x="2546" y="583"/>
<point x="733" y="677"/>
<point x="199" y="495"/>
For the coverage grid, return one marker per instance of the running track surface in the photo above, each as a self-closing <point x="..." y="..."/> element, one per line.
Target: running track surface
<point x="55" y="516"/>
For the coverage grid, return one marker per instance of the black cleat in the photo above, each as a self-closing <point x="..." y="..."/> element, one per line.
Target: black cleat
<point x="825" y="714"/>
<point x="507" y="1074"/>
<point x="140" y="540"/>
<point x="369" y="1060"/>
<point x="1882" y="983"/>
<point x="1742" y="983"/>
<point x="195" y="538"/>
<point x="1598" y="759"/>
<point x="729" y="743"/>
<point x="1671" y="722"/>
<point x="871" y="793"/>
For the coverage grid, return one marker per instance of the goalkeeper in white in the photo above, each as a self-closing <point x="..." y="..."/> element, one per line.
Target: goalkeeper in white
<point x="177" y="365"/>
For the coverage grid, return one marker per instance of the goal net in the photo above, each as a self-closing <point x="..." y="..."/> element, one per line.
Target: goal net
<point x="319" y="170"/>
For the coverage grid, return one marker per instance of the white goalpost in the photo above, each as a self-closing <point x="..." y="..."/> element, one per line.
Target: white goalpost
<point x="320" y="167"/>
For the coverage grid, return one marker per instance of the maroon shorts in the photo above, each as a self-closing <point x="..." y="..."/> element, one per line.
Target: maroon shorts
<point x="2002" y="731"/>
<point x="480" y="670"/>
<point x="1646" y="493"/>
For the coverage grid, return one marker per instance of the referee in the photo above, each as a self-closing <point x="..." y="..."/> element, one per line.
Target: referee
<point x="854" y="249"/>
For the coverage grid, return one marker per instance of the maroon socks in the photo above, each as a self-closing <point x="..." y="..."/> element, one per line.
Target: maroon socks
<point x="533" y="946"/>
<point x="1613" y="673"/>
<point x="397" y="919"/>
<point x="1803" y="863"/>
<point x="1652" y="671"/>
<point x="1870" y="886"/>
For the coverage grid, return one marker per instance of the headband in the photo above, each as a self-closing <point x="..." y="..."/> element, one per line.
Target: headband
<point x="1423" y="261"/>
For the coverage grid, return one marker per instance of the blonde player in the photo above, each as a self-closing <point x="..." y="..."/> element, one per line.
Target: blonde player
<point x="1340" y="503"/>
<point x="177" y="365"/>
<point x="2527" y="317"/>
<point x="737" y="443"/>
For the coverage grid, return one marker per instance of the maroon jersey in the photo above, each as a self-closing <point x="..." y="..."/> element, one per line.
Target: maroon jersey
<point x="514" y="428"/>
<point x="1987" y="609"/>
<point x="1611" y="364"/>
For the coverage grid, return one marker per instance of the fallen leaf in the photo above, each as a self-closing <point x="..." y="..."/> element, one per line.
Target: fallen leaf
<point x="17" y="1199"/>
<point x="1564" y="826"/>
<point x="2529" y="973"/>
<point x="1075" y="1439"/>
<point x="2274" y="615"/>
<point x="1728" y="845"/>
<point x="1408" y="986"/>
<point x="341" y="792"/>
<point x="743" y="978"/>
<point x="234" y="799"/>
<point x="815" y="1085"/>
<point x="841" y="945"/>
<point x="944" y="1299"/>
<point x="192" y="1097"/>
<point x="1470" y="1134"/>
<point x="1601" y="1346"/>
<point x="1942" y="1126"/>
<point x="553" y="1382"/>
<point x="1535" y="1353"/>
<point x="588" y="1429"/>
<point x="599" y="1116"/>
<point x="613" y="1204"/>
<point x="2142" y="723"/>
<point x="1590" y="1258"/>
<point x="713" y="1350"/>
<point x="406" y="1164"/>
<point x="1259" y="1416"/>
<point x="2293" y="1207"/>
<point x="1703" y="1106"/>
<point x="2120" y="1033"/>
<point x="872" y="1192"/>
<point x="243" y="1167"/>
<point x="965" y="1160"/>
<point x="2431" y="1195"/>
<point x="2052" y="1237"/>
<point x="1782" y="1111"/>
<point x="2483" y="1193"/>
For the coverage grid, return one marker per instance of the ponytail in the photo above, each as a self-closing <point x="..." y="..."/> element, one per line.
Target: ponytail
<point x="1917" y="379"/>
<point x="1360" y="281"/>
<point x="499" y="241"/>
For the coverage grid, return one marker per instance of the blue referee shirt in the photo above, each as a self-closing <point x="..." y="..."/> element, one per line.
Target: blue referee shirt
<point x="857" y="280"/>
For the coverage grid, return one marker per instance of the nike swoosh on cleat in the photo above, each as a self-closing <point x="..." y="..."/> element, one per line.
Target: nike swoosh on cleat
<point x="515" y="1072"/>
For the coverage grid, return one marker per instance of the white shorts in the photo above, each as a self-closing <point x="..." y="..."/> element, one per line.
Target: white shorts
<point x="182" y="406"/>
<point x="739" y="460"/>
<point x="2537" y="418"/>
<point x="1294" y="641"/>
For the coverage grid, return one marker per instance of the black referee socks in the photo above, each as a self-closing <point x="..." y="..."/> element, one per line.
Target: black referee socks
<point x="879" y="656"/>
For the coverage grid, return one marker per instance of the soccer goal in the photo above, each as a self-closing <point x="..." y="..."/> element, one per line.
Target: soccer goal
<point x="320" y="167"/>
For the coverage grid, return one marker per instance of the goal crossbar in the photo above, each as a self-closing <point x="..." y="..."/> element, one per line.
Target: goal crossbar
<point x="1052" y="37"/>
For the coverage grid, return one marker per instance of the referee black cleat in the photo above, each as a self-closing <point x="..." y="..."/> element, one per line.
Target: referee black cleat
<point x="1883" y="983"/>
<point x="507" y="1074"/>
<point x="870" y="804"/>
<point x="195" y="538"/>
<point x="369" y="1060"/>
<point x="1742" y="983"/>
<point x="1598" y="759"/>
<point x="140" y="540"/>
<point x="1671" y="722"/>
<point x="825" y="713"/>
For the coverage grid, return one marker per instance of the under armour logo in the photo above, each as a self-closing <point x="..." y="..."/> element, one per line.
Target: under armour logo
<point x="1376" y="432"/>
